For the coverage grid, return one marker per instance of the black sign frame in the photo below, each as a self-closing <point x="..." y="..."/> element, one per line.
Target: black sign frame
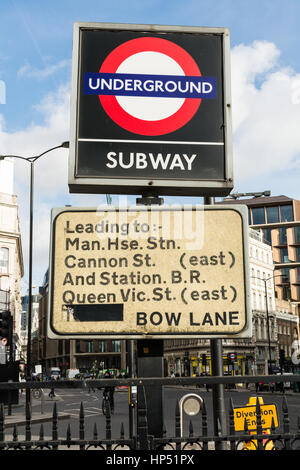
<point x="212" y="142"/>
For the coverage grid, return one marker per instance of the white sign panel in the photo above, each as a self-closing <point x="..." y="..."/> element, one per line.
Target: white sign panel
<point x="137" y="273"/>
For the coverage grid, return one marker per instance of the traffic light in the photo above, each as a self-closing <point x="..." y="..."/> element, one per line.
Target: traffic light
<point x="204" y="362"/>
<point x="5" y="324"/>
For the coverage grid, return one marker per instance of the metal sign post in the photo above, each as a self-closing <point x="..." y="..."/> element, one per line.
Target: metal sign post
<point x="150" y="364"/>
<point x="217" y="370"/>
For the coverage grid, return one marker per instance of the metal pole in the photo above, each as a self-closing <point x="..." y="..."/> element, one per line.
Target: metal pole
<point x="267" y="313"/>
<point x="29" y="320"/>
<point x="31" y="160"/>
<point x="218" y="391"/>
<point x="217" y="370"/>
<point x="150" y="364"/>
<point x="268" y="328"/>
<point x="132" y="358"/>
<point x="10" y="340"/>
<point x="132" y="373"/>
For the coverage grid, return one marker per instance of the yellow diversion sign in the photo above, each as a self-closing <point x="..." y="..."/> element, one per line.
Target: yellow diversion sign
<point x="248" y="412"/>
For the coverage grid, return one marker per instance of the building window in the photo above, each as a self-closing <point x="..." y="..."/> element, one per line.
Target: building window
<point x="297" y="234"/>
<point x="285" y="273"/>
<point x="90" y="346"/>
<point x="254" y="300"/>
<point x="286" y="213"/>
<point x="297" y="254"/>
<point x="4" y="260"/>
<point x="282" y="236"/>
<point x="267" y="235"/>
<point x="102" y="346"/>
<point x="116" y="346"/>
<point x="258" y="216"/>
<point x="258" y="278"/>
<point x="284" y="257"/>
<point x="272" y="215"/>
<point x="286" y="293"/>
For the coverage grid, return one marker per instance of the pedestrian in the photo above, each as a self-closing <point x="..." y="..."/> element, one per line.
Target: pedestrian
<point x="22" y="380"/>
<point x="110" y="391"/>
<point x="91" y="387"/>
<point x="51" y="393"/>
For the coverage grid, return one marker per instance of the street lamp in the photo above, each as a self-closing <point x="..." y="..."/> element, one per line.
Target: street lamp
<point x="31" y="160"/>
<point x="267" y="312"/>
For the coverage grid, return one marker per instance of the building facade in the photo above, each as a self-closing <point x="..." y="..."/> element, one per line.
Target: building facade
<point x="11" y="257"/>
<point x="278" y="217"/>
<point x="263" y="302"/>
<point x="34" y="321"/>
<point x="287" y="330"/>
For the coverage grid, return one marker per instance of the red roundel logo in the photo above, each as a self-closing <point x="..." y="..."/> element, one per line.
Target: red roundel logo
<point x="150" y="115"/>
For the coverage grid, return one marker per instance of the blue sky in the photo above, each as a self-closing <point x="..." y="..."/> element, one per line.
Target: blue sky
<point x="35" y="68"/>
<point x="37" y="36"/>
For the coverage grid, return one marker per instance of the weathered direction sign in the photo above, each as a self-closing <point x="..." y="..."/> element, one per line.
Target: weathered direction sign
<point x="136" y="272"/>
<point x="150" y="109"/>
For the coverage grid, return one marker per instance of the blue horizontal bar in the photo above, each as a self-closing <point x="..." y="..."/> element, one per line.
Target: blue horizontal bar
<point x="159" y="86"/>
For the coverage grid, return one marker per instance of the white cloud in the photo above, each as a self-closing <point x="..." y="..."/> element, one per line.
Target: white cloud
<point x="36" y="138"/>
<point x="28" y="71"/>
<point x="266" y="115"/>
<point x="50" y="172"/>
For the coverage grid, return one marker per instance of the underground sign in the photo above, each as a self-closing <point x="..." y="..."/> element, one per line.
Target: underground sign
<point x="150" y="110"/>
<point x="152" y="68"/>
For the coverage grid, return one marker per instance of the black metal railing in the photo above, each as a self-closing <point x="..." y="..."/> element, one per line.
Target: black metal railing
<point x="257" y="439"/>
